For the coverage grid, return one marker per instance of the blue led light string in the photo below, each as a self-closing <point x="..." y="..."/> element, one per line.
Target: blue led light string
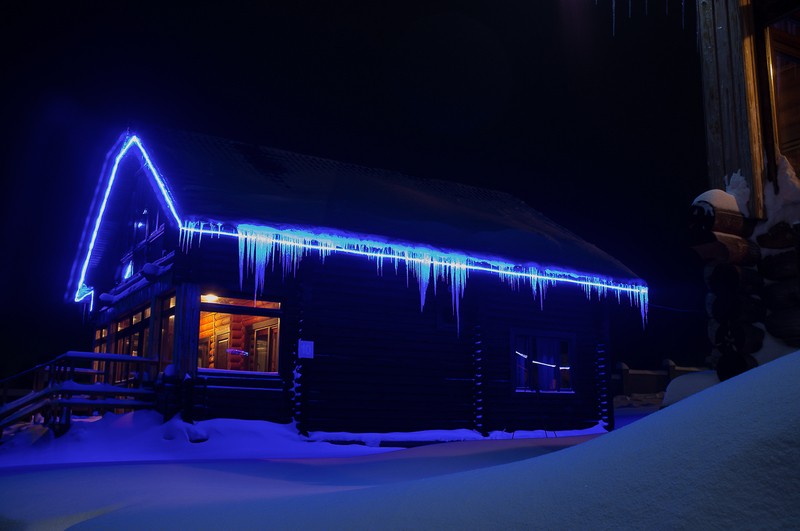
<point x="83" y="290"/>
<point x="259" y="244"/>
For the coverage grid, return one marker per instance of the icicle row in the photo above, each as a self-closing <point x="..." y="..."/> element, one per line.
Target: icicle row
<point x="261" y="247"/>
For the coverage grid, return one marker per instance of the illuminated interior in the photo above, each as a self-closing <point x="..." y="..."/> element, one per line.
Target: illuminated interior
<point x="233" y="338"/>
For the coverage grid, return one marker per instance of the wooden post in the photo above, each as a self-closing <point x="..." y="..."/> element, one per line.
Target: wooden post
<point x="733" y="122"/>
<point x="187" y="329"/>
<point x="154" y="335"/>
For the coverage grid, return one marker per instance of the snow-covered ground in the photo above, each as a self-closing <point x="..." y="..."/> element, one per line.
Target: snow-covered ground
<point x="725" y="457"/>
<point x="143" y="436"/>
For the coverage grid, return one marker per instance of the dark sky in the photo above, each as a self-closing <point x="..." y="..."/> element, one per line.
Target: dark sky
<point x="602" y="132"/>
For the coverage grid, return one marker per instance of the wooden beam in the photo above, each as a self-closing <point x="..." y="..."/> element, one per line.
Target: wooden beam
<point x="730" y="95"/>
<point x="187" y="328"/>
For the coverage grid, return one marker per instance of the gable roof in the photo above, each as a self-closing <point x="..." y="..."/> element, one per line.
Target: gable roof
<point x="209" y="183"/>
<point x="232" y="182"/>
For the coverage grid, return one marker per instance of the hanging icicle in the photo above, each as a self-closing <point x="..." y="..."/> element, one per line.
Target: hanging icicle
<point x="262" y="247"/>
<point x="613" y="18"/>
<point x="646" y="12"/>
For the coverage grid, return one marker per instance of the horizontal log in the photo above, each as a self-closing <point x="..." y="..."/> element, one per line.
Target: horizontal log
<point x="720" y="247"/>
<point x="782" y="294"/>
<point x="779" y="266"/>
<point x="730" y="365"/>
<point x="729" y="278"/>
<point x="792" y="341"/>
<point x="735" y="307"/>
<point x="705" y="217"/>
<point x="738" y="338"/>
<point x="784" y="324"/>
<point x="779" y="236"/>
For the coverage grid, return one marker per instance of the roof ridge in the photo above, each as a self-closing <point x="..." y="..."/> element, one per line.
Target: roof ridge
<point x="339" y="162"/>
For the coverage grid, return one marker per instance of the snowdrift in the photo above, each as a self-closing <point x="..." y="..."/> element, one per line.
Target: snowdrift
<point x="727" y="457"/>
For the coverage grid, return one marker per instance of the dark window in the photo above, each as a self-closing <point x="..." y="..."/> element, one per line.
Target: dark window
<point x="543" y="362"/>
<point x="101" y="339"/>
<point x="128" y="334"/>
<point x="784" y="70"/>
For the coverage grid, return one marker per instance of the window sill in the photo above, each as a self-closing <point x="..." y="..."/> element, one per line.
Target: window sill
<point x="533" y="391"/>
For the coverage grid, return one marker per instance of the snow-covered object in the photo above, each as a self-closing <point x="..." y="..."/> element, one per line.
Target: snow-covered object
<point x="719" y="199"/>
<point x="170" y="371"/>
<point x="376" y="439"/>
<point x="784" y="206"/>
<point x="772" y="348"/>
<point x="688" y="384"/>
<point x="737" y="186"/>
<point x="143" y="436"/>
<point x="154" y="270"/>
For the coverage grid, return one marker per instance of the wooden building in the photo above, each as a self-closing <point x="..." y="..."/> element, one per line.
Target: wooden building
<point x="750" y="56"/>
<point x="280" y="286"/>
<point x="750" y="238"/>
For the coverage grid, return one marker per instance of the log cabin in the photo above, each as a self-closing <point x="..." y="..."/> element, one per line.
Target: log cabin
<point x="273" y="285"/>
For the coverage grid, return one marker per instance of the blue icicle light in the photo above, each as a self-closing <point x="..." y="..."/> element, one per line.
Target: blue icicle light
<point x="263" y="246"/>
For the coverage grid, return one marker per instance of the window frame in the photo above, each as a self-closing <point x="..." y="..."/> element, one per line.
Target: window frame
<point x="242" y="307"/>
<point x="532" y="384"/>
<point x="778" y="43"/>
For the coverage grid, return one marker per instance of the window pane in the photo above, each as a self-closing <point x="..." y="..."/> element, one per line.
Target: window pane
<point x="167" y="336"/>
<point x="238" y="342"/>
<point x="542" y="362"/>
<point x="522" y="350"/>
<point x="785" y="44"/>
<point x="546" y="357"/>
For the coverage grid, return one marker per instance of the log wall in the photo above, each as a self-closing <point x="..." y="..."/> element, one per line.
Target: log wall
<point x="380" y="364"/>
<point x="566" y="310"/>
<point x="750" y="292"/>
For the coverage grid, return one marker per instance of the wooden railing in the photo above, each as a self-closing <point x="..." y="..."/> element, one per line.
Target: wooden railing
<point x="78" y="380"/>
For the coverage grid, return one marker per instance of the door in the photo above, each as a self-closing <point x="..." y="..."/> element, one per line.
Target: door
<point x="221" y="351"/>
<point x="265" y="340"/>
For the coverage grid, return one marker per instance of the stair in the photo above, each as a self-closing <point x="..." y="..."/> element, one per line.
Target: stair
<point x="73" y="384"/>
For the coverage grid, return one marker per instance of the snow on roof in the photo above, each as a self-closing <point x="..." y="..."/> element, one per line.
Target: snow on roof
<point x="215" y="179"/>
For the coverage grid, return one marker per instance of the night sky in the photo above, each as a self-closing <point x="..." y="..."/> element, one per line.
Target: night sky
<point x="601" y="132"/>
